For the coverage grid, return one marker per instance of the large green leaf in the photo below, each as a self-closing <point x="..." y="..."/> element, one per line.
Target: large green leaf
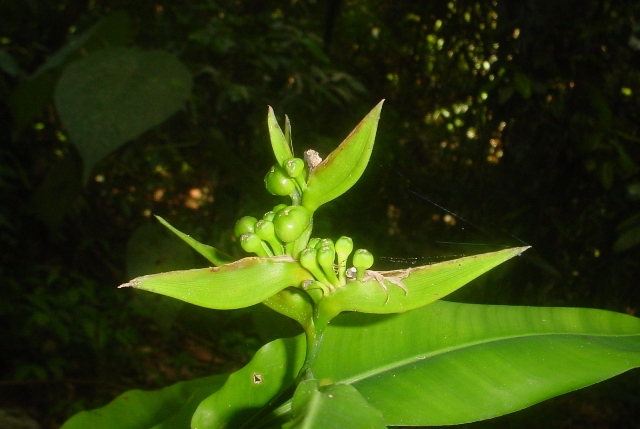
<point x="240" y="284"/>
<point x="115" y="94"/>
<point x="336" y="406"/>
<point x="137" y="409"/>
<point x="450" y="363"/>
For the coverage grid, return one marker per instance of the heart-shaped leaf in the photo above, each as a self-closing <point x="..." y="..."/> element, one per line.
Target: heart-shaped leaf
<point x="115" y="94"/>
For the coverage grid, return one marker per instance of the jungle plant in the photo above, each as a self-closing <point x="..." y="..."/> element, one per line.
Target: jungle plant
<point x="380" y="348"/>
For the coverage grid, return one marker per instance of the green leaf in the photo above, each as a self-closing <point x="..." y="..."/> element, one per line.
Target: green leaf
<point x="137" y="409"/>
<point x="339" y="171"/>
<point x="279" y="143"/>
<point x="450" y="363"/>
<point x="240" y="284"/>
<point x="151" y="249"/>
<point x="424" y="285"/>
<point x="213" y="255"/>
<point x="271" y="371"/>
<point x="336" y="406"/>
<point x="113" y="95"/>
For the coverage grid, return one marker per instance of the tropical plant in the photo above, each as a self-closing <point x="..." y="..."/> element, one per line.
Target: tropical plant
<point x="380" y="348"/>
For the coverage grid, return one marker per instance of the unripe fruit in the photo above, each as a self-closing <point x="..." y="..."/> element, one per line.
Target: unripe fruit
<point x="266" y="231"/>
<point x="291" y="222"/>
<point x="362" y="260"/>
<point x="251" y="243"/>
<point x="278" y="182"/>
<point x="294" y="167"/>
<point x="326" y="258"/>
<point x="308" y="259"/>
<point x="243" y="225"/>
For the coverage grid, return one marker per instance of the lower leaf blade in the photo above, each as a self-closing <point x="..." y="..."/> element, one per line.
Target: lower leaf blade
<point x="137" y="409"/>
<point x="332" y="407"/>
<point x="451" y="363"/>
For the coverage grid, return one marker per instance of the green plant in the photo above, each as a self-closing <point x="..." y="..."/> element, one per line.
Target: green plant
<point x="379" y="348"/>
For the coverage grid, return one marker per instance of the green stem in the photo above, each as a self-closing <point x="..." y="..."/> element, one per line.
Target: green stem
<point x="314" y="341"/>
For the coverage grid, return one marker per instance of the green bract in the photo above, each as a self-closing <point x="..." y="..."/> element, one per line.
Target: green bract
<point x="339" y="171"/>
<point x="439" y="364"/>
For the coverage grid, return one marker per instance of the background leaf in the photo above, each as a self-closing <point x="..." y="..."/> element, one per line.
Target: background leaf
<point x="137" y="409"/>
<point x="115" y="94"/>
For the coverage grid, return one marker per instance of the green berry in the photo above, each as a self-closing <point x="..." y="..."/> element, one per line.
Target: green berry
<point x="325" y="242"/>
<point x="362" y="260"/>
<point x="279" y="207"/>
<point x="251" y="243"/>
<point x="294" y="167"/>
<point x="266" y="231"/>
<point x="278" y="183"/>
<point x="243" y="225"/>
<point x="344" y="247"/>
<point x="326" y="257"/>
<point x="309" y="260"/>
<point x="269" y="216"/>
<point x="291" y="222"/>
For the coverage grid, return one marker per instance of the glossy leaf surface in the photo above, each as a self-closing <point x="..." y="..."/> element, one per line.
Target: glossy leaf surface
<point x="240" y="284"/>
<point x="339" y="171"/>
<point x="213" y="255"/>
<point x="332" y="407"/>
<point x="137" y="409"/>
<point x="450" y="363"/>
<point x="272" y="369"/>
<point x="424" y="285"/>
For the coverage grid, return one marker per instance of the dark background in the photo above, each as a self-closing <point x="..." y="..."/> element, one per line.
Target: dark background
<point x="520" y="117"/>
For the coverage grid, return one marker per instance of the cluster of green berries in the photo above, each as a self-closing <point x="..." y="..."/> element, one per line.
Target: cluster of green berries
<point x="278" y="230"/>
<point x="275" y="233"/>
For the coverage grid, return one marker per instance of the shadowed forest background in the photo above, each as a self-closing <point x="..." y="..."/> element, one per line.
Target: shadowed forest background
<point x="522" y="118"/>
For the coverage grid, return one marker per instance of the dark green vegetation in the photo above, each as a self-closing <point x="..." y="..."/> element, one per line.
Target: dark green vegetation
<point x="518" y="118"/>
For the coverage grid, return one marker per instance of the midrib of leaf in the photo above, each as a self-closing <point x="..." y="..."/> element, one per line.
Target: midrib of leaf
<point x="411" y="360"/>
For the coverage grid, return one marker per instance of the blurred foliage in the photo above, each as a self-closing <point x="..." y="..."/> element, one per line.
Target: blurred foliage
<point x="515" y="116"/>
